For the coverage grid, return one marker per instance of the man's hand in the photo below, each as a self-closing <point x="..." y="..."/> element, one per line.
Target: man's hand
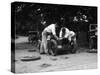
<point x="56" y="37"/>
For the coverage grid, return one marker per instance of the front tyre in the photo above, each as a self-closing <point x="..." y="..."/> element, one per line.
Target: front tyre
<point x="73" y="47"/>
<point x="52" y="44"/>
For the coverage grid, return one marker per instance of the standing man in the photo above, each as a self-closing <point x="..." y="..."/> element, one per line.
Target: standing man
<point x="48" y="30"/>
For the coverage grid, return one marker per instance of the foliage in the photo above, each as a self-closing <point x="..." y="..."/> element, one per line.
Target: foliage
<point x="36" y="16"/>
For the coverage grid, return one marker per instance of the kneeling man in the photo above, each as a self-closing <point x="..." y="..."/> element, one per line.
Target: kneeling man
<point x="65" y="33"/>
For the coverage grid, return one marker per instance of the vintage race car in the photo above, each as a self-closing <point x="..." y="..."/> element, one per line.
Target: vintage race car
<point x="60" y="45"/>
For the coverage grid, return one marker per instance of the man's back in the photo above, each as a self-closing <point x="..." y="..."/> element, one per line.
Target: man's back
<point x="50" y="29"/>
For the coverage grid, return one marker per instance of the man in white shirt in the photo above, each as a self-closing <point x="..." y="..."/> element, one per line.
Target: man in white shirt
<point x="66" y="33"/>
<point x="48" y="30"/>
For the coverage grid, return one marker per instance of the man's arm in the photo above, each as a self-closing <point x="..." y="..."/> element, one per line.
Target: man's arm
<point x="56" y="37"/>
<point x="60" y="34"/>
<point x="54" y="32"/>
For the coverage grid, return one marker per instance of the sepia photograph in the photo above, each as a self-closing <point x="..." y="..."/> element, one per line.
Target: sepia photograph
<point x="53" y="37"/>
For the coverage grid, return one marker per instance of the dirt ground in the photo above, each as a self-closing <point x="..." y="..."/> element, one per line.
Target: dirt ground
<point x="62" y="62"/>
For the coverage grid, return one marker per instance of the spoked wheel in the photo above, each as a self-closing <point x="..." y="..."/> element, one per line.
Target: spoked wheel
<point x="52" y="44"/>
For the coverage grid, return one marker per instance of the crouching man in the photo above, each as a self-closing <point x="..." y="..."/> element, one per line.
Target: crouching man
<point x="48" y="30"/>
<point x="65" y="33"/>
